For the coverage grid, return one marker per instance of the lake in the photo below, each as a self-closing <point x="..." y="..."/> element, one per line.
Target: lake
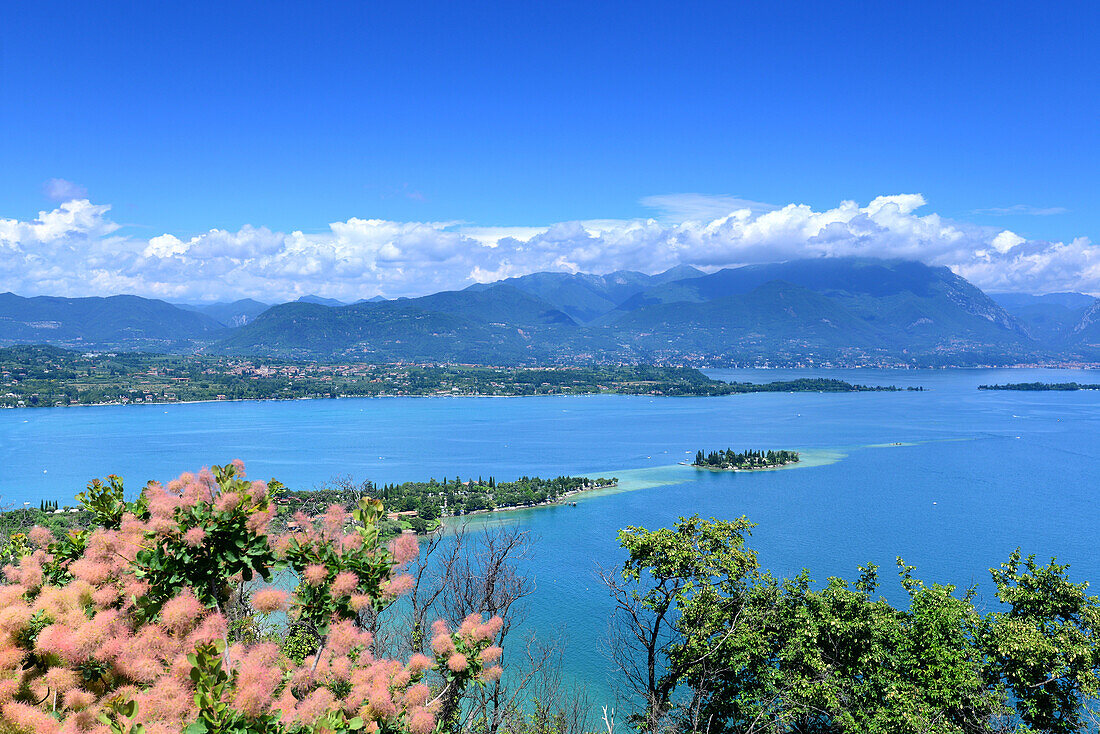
<point x="976" y="475"/>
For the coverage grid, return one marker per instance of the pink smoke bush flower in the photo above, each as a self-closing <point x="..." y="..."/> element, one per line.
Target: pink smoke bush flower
<point x="344" y="584"/>
<point x="490" y="654"/>
<point x="315" y="574"/>
<point x="40" y="536"/>
<point x="114" y="615"/>
<point x="404" y="548"/>
<point x="194" y="537"/>
<point x="399" y="586"/>
<point x="182" y="613"/>
<point x="269" y="600"/>
<point x="421" y="721"/>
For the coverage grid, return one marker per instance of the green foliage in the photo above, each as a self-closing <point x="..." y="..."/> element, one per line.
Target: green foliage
<point x="115" y="716"/>
<point x="229" y="547"/>
<point x="316" y="603"/>
<point x="106" y="502"/>
<point x="13" y="546"/>
<point x="687" y="576"/>
<point x="1046" y="646"/>
<point x="746" y="460"/>
<point x="29" y="634"/>
<point x="299" y="645"/>
<point x="63" y="552"/>
<point x="748" y="652"/>
<point x="212" y="687"/>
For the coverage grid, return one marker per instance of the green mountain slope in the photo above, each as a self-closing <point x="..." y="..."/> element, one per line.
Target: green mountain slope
<point x="775" y="319"/>
<point x="1054" y="319"/>
<point x="907" y="305"/>
<point x="586" y="297"/>
<point x="116" y="322"/>
<point x="500" y="325"/>
<point x="851" y="310"/>
<point x="237" y="313"/>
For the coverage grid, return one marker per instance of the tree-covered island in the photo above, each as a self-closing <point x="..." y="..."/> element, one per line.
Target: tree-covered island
<point x="39" y="376"/>
<point x="744" y="460"/>
<point x="1042" y="386"/>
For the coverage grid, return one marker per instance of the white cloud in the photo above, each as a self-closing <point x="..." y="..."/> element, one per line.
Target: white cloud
<point x="1006" y="240"/>
<point x="1022" y="209"/>
<point x="58" y="189"/>
<point x="76" y="249"/>
<point x="700" y="207"/>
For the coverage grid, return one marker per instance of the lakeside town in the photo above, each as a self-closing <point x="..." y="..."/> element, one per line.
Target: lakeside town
<point x="39" y="376"/>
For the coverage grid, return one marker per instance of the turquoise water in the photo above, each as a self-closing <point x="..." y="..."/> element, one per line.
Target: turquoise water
<point x="978" y="473"/>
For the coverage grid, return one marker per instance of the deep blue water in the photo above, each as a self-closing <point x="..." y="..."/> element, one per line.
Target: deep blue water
<point x="978" y="474"/>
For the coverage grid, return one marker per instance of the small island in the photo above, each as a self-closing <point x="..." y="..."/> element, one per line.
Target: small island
<point x="1042" y="386"/>
<point x="745" y="460"/>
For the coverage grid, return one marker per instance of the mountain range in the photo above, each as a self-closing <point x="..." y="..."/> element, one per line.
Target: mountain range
<point x="826" y="310"/>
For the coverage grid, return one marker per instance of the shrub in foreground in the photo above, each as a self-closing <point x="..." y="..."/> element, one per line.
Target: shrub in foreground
<point x="122" y="628"/>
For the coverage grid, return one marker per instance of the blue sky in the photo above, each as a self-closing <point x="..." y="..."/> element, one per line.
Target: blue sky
<point x="294" y="116"/>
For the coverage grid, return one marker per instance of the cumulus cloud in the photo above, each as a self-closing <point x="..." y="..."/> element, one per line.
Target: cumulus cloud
<point x="76" y="249"/>
<point x="58" y="189"/>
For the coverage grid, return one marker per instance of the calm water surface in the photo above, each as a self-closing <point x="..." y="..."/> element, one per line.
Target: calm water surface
<point x="977" y="474"/>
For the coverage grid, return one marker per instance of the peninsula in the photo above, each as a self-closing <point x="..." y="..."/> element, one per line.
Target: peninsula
<point x="417" y="506"/>
<point x="420" y="506"/>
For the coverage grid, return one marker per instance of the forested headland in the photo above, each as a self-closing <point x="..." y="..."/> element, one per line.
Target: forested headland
<point x="419" y="506"/>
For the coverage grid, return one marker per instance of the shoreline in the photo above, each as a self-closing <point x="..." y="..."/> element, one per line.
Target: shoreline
<point x="748" y="469"/>
<point x="387" y="396"/>
<point x="628" y="482"/>
<point x="560" y="501"/>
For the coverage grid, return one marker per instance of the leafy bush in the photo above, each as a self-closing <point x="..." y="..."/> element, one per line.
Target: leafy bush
<point x="123" y="627"/>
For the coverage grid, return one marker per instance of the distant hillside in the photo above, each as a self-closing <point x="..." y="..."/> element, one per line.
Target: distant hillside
<point x="587" y="297"/>
<point x="321" y="301"/>
<point x="1085" y="333"/>
<point x="237" y="313"/>
<point x="842" y="308"/>
<point x="872" y="289"/>
<point x="853" y="310"/>
<point x="1057" y="320"/>
<point x="775" y="320"/>
<point x="500" y="325"/>
<point x="826" y="310"/>
<point x="116" y="322"/>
